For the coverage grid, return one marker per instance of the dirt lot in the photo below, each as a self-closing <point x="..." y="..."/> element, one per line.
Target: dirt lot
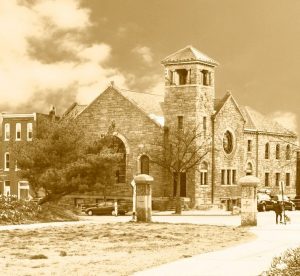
<point x="108" y="249"/>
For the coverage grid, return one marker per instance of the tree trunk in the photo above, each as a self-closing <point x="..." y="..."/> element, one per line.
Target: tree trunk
<point x="178" y="201"/>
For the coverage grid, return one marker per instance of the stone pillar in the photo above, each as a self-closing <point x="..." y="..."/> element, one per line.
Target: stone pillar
<point x="249" y="200"/>
<point x="143" y="197"/>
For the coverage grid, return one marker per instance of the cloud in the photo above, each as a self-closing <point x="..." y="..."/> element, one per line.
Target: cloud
<point x="145" y="53"/>
<point x="43" y="56"/>
<point x="286" y="119"/>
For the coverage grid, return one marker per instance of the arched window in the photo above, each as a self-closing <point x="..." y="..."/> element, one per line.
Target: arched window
<point x="288" y="152"/>
<point x="203" y="173"/>
<point x="277" y="151"/>
<point x="267" y="151"/>
<point x="144" y="161"/>
<point x="249" y="169"/>
<point x="119" y="147"/>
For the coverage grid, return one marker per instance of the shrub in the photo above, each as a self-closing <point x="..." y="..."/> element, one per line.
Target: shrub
<point x="14" y="211"/>
<point x="286" y="264"/>
<point x="37" y="257"/>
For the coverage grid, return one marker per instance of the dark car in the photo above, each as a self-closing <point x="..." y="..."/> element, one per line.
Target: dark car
<point x="106" y="210"/>
<point x="264" y="202"/>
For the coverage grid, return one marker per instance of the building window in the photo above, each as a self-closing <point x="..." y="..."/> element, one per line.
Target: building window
<point x="233" y="176"/>
<point x="228" y="142"/>
<point x="249" y="169"/>
<point x="203" y="174"/>
<point x="180" y="122"/>
<point x="29" y="131"/>
<point x="206" y="77"/>
<point x="182" y="184"/>
<point x="288" y="152"/>
<point x="277" y="179"/>
<point x="18" y="131"/>
<point x="144" y="164"/>
<point x="267" y="179"/>
<point x="6" y="188"/>
<point x="287" y="179"/>
<point x="277" y="151"/>
<point x="23" y="191"/>
<point x="267" y="151"/>
<point x="204" y="125"/>
<point x="229" y="177"/>
<point x="223" y="177"/>
<point x="119" y="147"/>
<point x="7" y="132"/>
<point x="182" y="76"/>
<point x="249" y="145"/>
<point x="6" y="161"/>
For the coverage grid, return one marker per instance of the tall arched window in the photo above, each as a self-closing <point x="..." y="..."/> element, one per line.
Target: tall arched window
<point x="119" y="147"/>
<point x="267" y="151"/>
<point x="277" y="151"/>
<point x="144" y="161"/>
<point x="203" y="173"/>
<point x="288" y="152"/>
<point x="249" y="169"/>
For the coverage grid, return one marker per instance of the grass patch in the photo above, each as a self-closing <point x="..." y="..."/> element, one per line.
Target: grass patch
<point x="112" y="249"/>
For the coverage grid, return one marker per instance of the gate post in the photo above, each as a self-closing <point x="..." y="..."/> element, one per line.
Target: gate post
<point x="143" y="197"/>
<point x="248" y="200"/>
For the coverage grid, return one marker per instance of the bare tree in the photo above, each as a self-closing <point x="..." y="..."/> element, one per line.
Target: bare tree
<point x="181" y="151"/>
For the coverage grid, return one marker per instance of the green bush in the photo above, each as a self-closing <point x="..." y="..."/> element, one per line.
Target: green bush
<point x="288" y="264"/>
<point x="14" y="211"/>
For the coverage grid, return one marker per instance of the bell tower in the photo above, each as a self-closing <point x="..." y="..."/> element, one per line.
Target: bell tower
<point x="189" y="89"/>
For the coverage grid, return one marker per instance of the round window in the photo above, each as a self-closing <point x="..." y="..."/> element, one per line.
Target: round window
<point x="228" y="142"/>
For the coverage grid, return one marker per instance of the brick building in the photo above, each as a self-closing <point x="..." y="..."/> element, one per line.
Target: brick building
<point x="243" y="140"/>
<point x="15" y="128"/>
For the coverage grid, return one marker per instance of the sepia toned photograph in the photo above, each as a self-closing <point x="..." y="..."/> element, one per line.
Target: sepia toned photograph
<point x="149" y="138"/>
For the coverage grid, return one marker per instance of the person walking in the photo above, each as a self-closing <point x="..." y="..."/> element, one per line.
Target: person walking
<point x="278" y="211"/>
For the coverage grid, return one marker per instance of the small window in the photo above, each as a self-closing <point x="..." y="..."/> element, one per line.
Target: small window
<point x="206" y="77"/>
<point x="7" y="131"/>
<point x="229" y="177"/>
<point x="233" y="176"/>
<point x="287" y="179"/>
<point x="277" y="151"/>
<point x="223" y="172"/>
<point x="18" y="131"/>
<point x="6" y="187"/>
<point x="182" y="76"/>
<point x="267" y="179"/>
<point x="288" y="152"/>
<point x="277" y="179"/>
<point x="180" y="122"/>
<point x="249" y="169"/>
<point x="6" y="161"/>
<point x="267" y="151"/>
<point x="144" y="160"/>
<point x="203" y="174"/>
<point x="249" y="146"/>
<point x="29" y="131"/>
<point x="204" y="125"/>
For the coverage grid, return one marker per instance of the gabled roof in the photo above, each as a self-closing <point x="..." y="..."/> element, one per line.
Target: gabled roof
<point x="219" y="103"/>
<point x="189" y="54"/>
<point x="73" y="111"/>
<point x="259" y="122"/>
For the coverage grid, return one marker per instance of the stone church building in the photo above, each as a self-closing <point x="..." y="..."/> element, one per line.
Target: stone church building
<point x="243" y="141"/>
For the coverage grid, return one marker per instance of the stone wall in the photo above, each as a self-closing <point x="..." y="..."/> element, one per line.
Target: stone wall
<point x="137" y="131"/>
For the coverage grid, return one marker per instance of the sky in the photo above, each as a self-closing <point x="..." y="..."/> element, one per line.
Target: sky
<point x="56" y="52"/>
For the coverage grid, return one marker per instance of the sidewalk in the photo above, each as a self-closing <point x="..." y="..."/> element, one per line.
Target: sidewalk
<point x="248" y="259"/>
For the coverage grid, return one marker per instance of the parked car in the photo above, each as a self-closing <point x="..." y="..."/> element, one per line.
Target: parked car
<point x="107" y="209"/>
<point x="264" y="202"/>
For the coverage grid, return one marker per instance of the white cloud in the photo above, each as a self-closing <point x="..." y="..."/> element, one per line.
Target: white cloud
<point x="145" y="53"/>
<point x="286" y="119"/>
<point x="24" y="75"/>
